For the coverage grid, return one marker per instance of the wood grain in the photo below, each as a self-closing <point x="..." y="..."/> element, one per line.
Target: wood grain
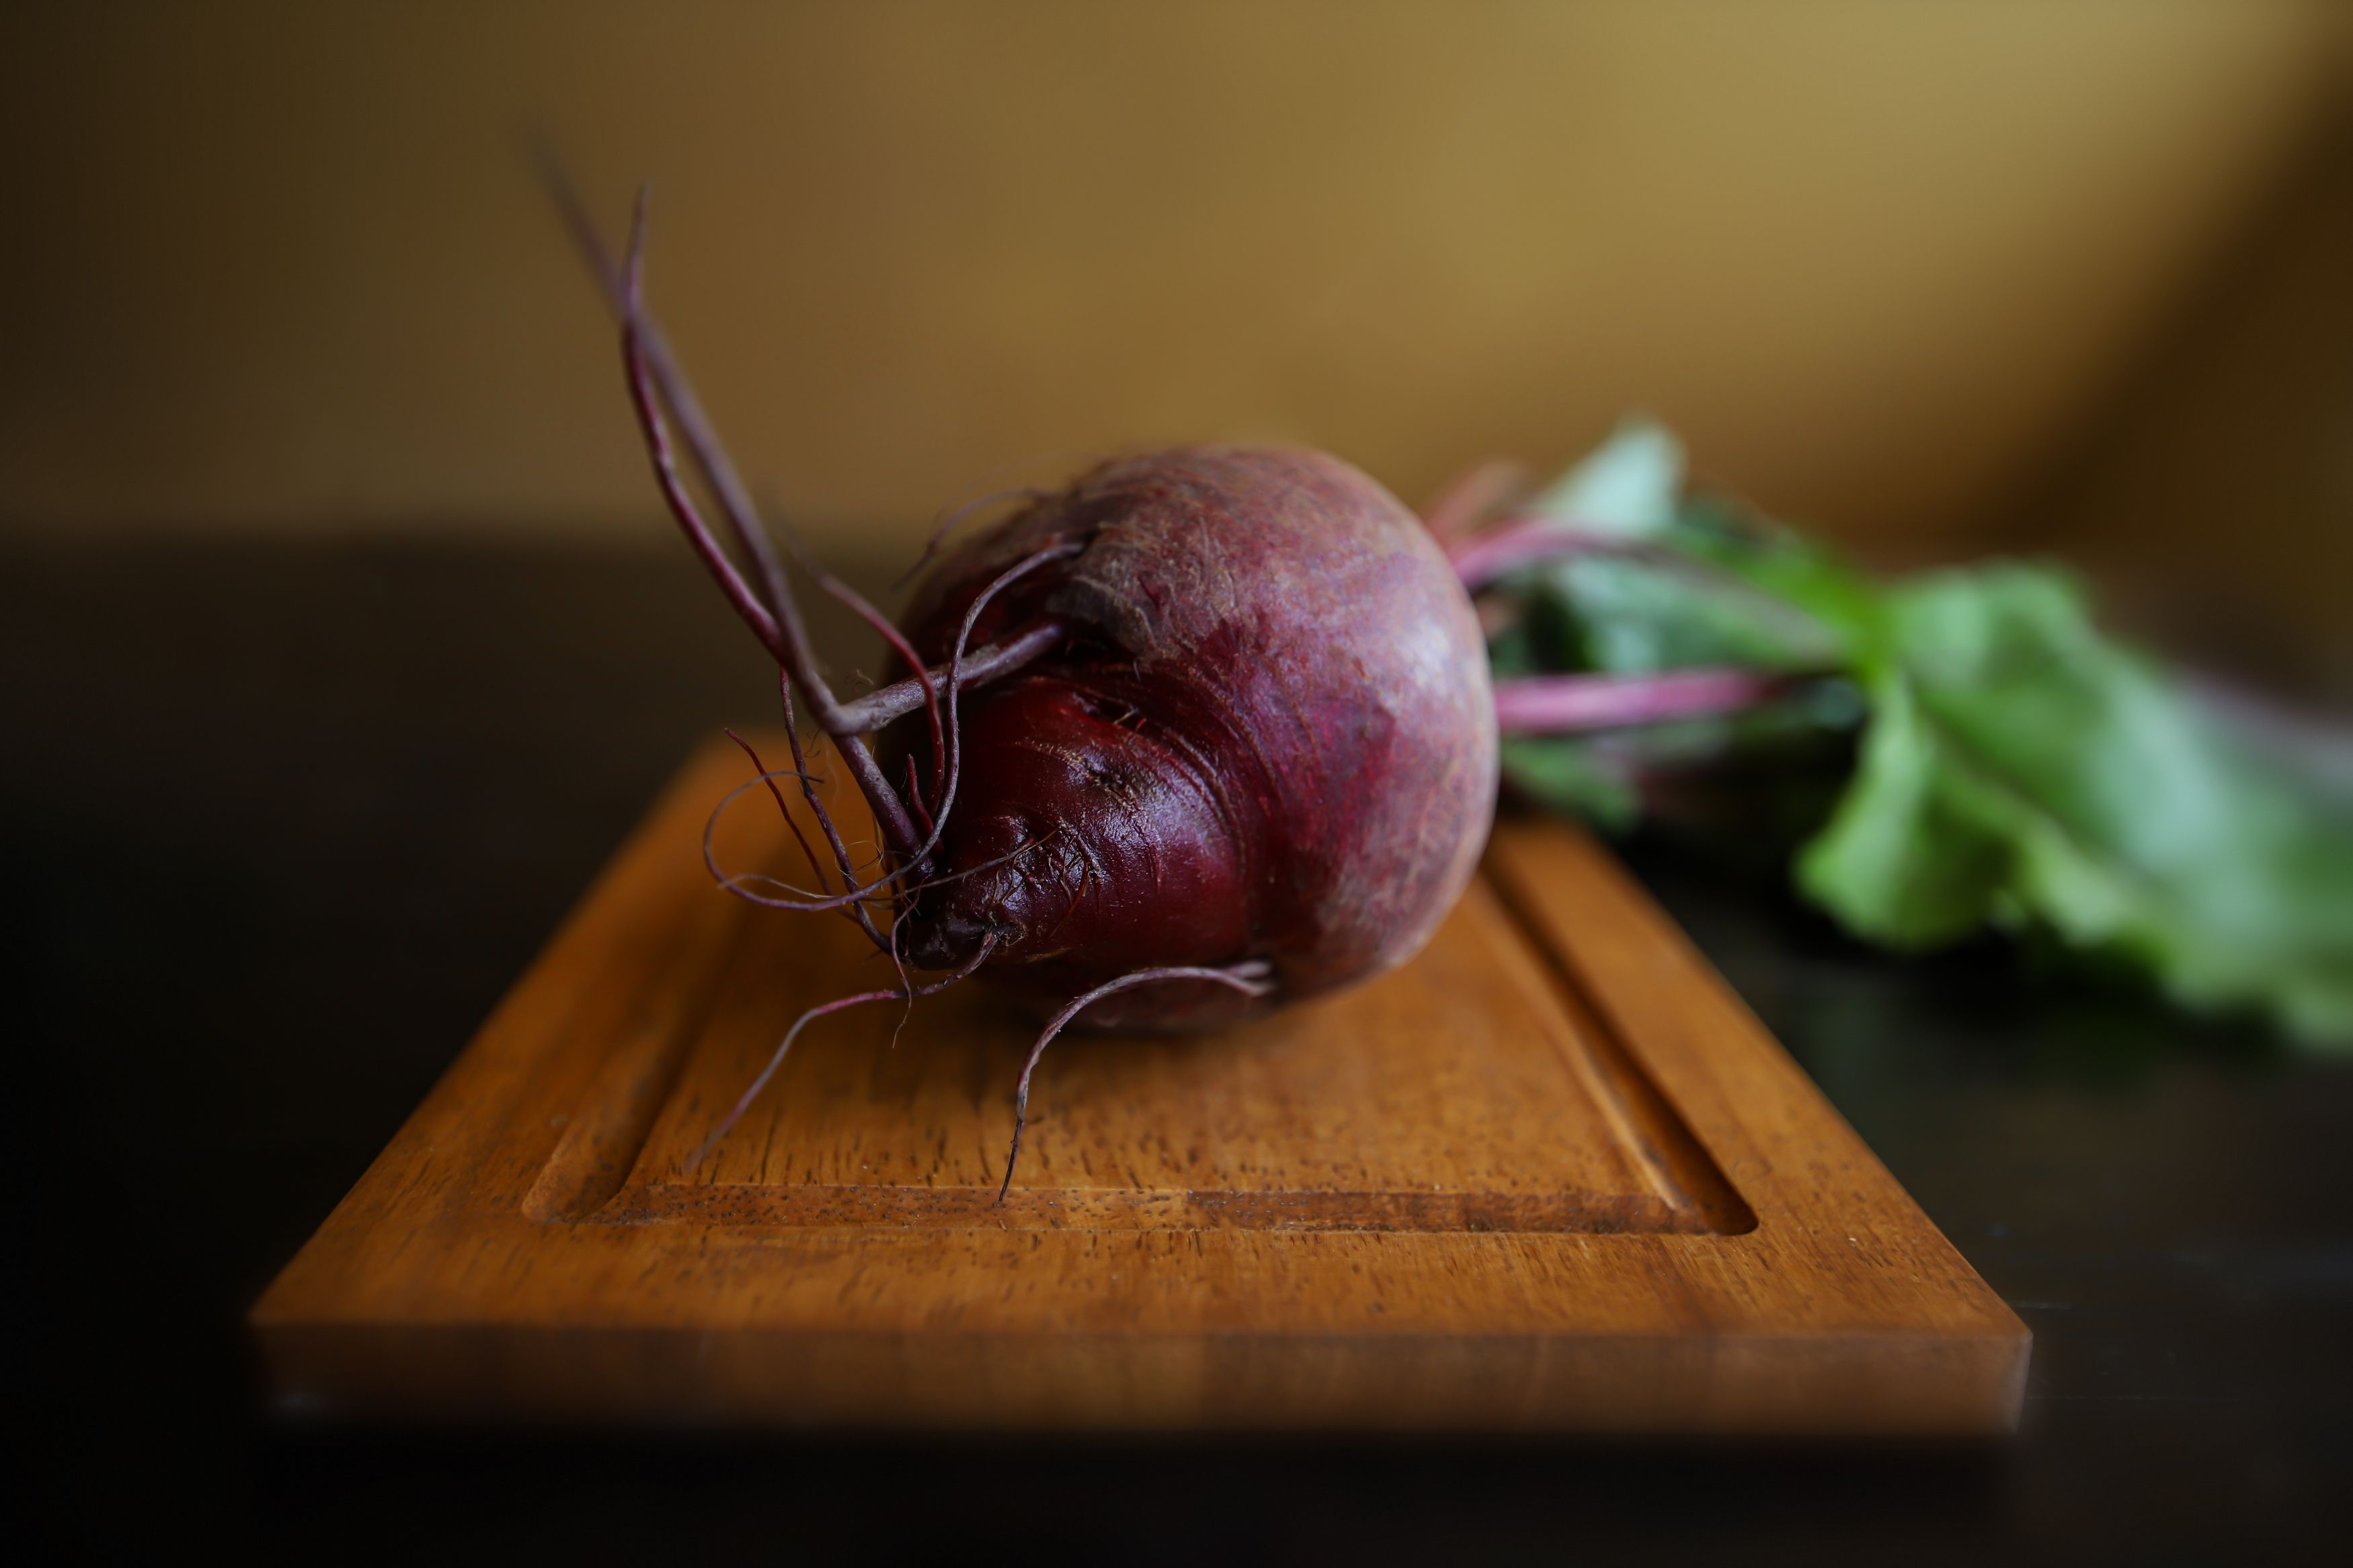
<point x="1551" y="1175"/>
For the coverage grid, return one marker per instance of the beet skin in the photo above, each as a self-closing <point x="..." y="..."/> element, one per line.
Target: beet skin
<point x="1270" y="736"/>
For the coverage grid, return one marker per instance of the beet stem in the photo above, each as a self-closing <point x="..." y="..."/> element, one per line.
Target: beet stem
<point x="782" y="633"/>
<point x="1470" y="498"/>
<point x="655" y="377"/>
<point x="842" y="593"/>
<point x="1250" y="979"/>
<point x="884" y="703"/>
<point x="695" y="424"/>
<point x="1494" y="553"/>
<point x="1570" y="704"/>
<point x="1482" y="557"/>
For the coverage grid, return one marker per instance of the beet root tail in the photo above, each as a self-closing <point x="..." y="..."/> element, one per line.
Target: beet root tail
<point x="1251" y="979"/>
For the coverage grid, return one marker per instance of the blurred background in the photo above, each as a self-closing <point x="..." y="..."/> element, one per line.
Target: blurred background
<point x="1937" y="279"/>
<point x="341" y="636"/>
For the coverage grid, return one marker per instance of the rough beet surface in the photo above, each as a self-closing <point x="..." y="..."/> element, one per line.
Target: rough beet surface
<point x="1271" y="736"/>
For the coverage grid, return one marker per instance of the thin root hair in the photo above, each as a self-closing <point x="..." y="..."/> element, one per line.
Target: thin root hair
<point x="1058" y="550"/>
<point x="743" y="1102"/>
<point x="857" y="604"/>
<point x="1249" y="978"/>
<point x="948" y="520"/>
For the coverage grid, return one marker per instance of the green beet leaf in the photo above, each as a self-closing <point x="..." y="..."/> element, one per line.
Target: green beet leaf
<point x="2017" y="770"/>
<point x="2022" y="770"/>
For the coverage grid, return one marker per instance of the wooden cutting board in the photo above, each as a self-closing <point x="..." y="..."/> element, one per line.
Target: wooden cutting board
<point x="1551" y="1175"/>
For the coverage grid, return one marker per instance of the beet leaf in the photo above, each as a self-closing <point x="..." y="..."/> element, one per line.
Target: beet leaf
<point x="2002" y="763"/>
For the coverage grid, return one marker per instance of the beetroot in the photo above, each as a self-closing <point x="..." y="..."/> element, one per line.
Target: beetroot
<point x="1269" y="735"/>
<point x="1205" y="732"/>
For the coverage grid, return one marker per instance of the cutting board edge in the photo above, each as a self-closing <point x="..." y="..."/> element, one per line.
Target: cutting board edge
<point x="1893" y="1384"/>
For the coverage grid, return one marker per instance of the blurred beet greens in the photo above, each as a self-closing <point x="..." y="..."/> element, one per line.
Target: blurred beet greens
<point x="1950" y="752"/>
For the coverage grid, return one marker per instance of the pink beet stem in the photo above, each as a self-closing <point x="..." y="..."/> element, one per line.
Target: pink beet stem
<point x="1566" y="704"/>
<point x="884" y="703"/>
<point x="1485" y="556"/>
<point x="702" y="439"/>
<point x="1470" y="498"/>
<point x="779" y="630"/>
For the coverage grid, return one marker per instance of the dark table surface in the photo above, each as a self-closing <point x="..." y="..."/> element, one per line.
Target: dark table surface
<point x="282" y="821"/>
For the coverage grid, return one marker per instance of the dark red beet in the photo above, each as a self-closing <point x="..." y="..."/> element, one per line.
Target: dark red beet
<point x="1207" y="731"/>
<point x="1271" y="737"/>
